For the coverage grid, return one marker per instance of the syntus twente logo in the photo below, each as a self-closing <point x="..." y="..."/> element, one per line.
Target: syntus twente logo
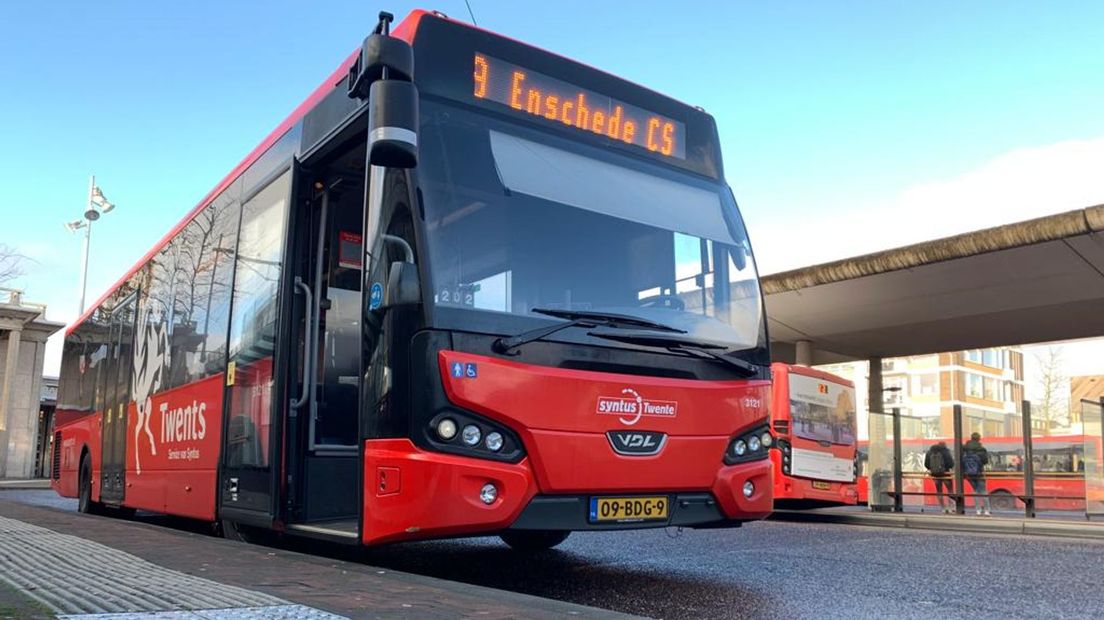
<point x="631" y="406"/>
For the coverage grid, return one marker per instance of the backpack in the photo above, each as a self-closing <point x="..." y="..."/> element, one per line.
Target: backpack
<point x="971" y="463"/>
<point x="938" y="465"/>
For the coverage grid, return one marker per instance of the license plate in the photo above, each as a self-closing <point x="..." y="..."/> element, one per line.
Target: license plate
<point x="823" y="486"/>
<point x="628" y="509"/>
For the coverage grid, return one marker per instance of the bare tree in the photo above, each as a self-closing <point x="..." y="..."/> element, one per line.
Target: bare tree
<point x="1053" y="388"/>
<point x="11" y="263"/>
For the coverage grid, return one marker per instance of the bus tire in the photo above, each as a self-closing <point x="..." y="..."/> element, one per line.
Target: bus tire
<point x="85" y="503"/>
<point x="1002" y="500"/>
<point x="534" y="540"/>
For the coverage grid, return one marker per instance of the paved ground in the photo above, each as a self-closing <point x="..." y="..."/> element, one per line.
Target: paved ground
<point x="76" y="576"/>
<point x="14" y="604"/>
<point x="268" y="575"/>
<point x="775" y="570"/>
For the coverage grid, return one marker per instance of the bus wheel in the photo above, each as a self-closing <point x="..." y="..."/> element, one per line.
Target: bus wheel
<point x="84" y="494"/>
<point x="1002" y="500"/>
<point x="534" y="540"/>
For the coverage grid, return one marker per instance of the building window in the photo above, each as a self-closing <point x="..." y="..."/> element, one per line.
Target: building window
<point x="926" y="384"/>
<point x="994" y="358"/>
<point x="974" y="425"/>
<point x="896" y="390"/>
<point x="974" y="386"/>
<point x="992" y="389"/>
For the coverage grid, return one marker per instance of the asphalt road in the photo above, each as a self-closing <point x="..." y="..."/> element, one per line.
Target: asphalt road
<point x="772" y="570"/>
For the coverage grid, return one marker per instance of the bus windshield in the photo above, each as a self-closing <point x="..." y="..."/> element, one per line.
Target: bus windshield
<point x="519" y="219"/>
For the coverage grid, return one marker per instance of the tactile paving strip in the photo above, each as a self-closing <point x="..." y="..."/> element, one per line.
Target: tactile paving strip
<point x="71" y="575"/>
<point x="274" y="612"/>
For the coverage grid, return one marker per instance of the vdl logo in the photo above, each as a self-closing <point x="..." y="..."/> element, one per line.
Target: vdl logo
<point x="636" y="443"/>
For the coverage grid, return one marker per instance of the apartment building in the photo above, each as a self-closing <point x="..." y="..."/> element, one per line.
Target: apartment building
<point x="988" y="383"/>
<point x="1082" y="388"/>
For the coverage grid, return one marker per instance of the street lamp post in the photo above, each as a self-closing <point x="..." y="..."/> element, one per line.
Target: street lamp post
<point x="97" y="206"/>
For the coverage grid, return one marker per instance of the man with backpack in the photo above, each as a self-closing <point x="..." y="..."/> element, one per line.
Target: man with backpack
<point x="974" y="459"/>
<point x="939" y="463"/>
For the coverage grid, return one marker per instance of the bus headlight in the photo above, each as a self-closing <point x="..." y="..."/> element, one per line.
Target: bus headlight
<point x="472" y="435"/>
<point x="748" y="446"/>
<point x="749" y="489"/>
<point x="459" y="432"/>
<point x="446" y="429"/>
<point x="767" y="439"/>
<point x="739" y="448"/>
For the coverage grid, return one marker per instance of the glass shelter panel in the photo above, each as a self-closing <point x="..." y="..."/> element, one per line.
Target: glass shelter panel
<point x="879" y="464"/>
<point x="1093" y="457"/>
<point x="914" y="475"/>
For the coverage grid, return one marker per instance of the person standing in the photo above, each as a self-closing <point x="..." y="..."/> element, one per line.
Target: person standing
<point x="974" y="459"/>
<point x="939" y="462"/>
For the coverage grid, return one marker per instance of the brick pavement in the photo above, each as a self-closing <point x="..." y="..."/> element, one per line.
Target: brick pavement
<point x="347" y="588"/>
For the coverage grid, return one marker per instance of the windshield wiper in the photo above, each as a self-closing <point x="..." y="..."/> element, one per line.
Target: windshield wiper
<point x="678" y="344"/>
<point x="608" y="317"/>
<point x="578" y="318"/>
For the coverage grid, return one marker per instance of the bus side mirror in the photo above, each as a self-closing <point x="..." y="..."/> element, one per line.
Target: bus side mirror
<point x="384" y="74"/>
<point x="393" y="124"/>
<point x="403" y="288"/>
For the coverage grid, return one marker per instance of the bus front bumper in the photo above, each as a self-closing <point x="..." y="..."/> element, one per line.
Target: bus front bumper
<point x="413" y="494"/>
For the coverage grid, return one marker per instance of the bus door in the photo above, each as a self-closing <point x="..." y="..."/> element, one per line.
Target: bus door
<point x="251" y="457"/>
<point x="116" y="390"/>
<point x="323" y="419"/>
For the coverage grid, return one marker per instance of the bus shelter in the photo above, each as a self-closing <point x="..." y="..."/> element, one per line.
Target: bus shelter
<point x="1055" y="474"/>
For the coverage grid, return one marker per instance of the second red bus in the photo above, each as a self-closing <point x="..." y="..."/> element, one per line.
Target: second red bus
<point x="813" y="422"/>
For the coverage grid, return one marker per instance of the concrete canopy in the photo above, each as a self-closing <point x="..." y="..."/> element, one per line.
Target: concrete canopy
<point x="1034" y="281"/>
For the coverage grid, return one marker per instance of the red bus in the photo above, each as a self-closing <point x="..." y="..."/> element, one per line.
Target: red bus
<point x="813" y="420"/>
<point x="1059" y="472"/>
<point x="503" y="294"/>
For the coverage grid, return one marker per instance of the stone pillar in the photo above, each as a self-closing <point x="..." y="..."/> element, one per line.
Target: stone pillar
<point x="11" y="363"/>
<point x="874" y="394"/>
<point x="804" y="353"/>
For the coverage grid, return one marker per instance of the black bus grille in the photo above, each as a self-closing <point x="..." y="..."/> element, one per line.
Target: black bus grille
<point x="56" y="457"/>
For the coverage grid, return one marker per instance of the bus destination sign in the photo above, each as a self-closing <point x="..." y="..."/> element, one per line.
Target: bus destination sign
<point x="558" y="101"/>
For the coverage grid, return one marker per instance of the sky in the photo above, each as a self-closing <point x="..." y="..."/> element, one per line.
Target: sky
<point x="868" y="124"/>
